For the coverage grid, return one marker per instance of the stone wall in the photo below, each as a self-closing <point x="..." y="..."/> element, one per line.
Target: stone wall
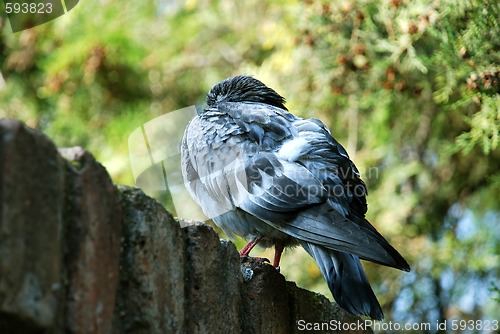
<point x="80" y="255"/>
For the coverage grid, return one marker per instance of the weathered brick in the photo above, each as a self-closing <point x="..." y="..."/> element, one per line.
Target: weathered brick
<point x="213" y="282"/>
<point x="31" y="229"/>
<point x="265" y="299"/>
<point x="151" y="293"/>
<point x="93" y="232"/>
<point x="314" y="309"/>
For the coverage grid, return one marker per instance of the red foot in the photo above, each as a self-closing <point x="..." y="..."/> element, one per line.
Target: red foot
<point x="249" y="246"/>
<point x="278" y="250"/>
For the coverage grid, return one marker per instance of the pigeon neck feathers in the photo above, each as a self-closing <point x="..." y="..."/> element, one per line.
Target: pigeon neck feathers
<point x="244" y="88"/>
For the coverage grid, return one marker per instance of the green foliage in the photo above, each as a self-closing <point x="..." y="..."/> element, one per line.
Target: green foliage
<point x="410" y="88"/>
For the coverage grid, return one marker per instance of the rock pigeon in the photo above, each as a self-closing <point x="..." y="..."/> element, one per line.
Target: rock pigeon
<point x="279" y="180"/>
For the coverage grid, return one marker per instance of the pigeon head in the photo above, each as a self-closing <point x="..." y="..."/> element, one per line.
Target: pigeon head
<point x="243" y="88"/>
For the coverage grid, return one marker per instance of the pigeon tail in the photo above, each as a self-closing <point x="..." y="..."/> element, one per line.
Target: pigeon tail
<point x="347" y="280"/>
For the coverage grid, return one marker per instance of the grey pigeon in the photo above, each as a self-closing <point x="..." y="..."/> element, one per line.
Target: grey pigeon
<point x="273" y="178"/>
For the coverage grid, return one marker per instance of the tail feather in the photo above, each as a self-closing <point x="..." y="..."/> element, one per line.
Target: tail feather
<point x="347" y="280"/>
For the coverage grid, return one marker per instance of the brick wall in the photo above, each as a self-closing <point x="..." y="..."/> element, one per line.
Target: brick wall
<point x="80" y="255"/>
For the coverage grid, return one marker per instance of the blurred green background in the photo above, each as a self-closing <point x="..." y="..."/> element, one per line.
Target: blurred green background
<point x="410" y="88"/>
